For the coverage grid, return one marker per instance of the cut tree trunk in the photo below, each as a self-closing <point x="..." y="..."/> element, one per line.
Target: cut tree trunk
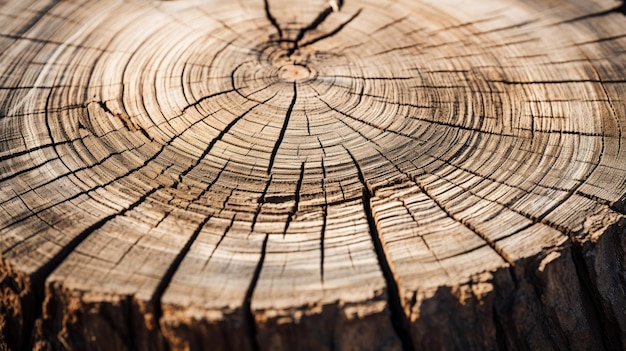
<point x="324" y="175"/>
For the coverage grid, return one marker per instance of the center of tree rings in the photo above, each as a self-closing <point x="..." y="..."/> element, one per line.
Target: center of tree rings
<point x="294" y="73"/>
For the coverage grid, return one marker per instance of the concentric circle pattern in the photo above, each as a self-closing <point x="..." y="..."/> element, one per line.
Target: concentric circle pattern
<point x="263" y="160"/>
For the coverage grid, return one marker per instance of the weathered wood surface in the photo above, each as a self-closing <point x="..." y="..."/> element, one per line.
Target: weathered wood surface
<point x="323" y="175"/>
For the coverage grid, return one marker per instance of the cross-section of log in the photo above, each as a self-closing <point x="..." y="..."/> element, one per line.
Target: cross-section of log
<point x="315" y="175"/>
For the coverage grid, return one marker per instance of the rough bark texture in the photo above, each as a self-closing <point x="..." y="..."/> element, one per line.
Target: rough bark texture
<point x="328" y="175"/>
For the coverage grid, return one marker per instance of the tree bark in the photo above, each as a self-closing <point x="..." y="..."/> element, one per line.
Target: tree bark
<point x="330" y="175"/>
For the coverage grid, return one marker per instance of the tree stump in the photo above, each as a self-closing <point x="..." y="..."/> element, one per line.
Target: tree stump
<point x="330" y="175"/>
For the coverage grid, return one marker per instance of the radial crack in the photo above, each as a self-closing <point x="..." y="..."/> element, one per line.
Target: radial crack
<point x="210" y="185"/>
<point x="621" y="8"/>
<point x="43" y="272"/>
<point x="333" y="32"/>
<point x="399" y="319"/>
<point x="129" y="124"/>
<point x="494" y="246"/>
<point x="324" y="220"/>
<point x="246" y="306"/>
<point x="55" y="261"/>
<point x="272" y="19"/>
<point x="283" y="129"/>
<point x="219" y="242"/>
<point x="332" y="7"/>
<point x="534" y="219"/>
<point x="104" y="185"/>
<point x="294" y="209"/>
<point x="169" y="274"/>
<point x="219" y="137"/>
<point x="390" y="24"/>
<point x="260" y="203"/>
<point x="201" y="100"/>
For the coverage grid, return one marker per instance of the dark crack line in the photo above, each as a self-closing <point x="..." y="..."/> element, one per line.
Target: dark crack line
<point x="283" y="130"/>
<point x="534" y="219"/>
<point x="490" y="242"/>
<point x="400" y="48"/>
<point x="53" y="263"/>
<point x="37" y="148"/>
<point x="54" y="145"/>
<point x="101" y="186"/>
<point x="506" y="28"/>
<point x="260" y="202"/>
<point x="69" y="172"/>
<point x="166" y="280"/>
<point x="296" y="204"/>
<point x="272" y="19"/>
<point x="383" y="100"/>
<point x="308" y="122"/>
<point x="218" y="138"/>
<point x="494" y="246"/>
<point x="31" y="87"/>
<point x="617" y="9"/>
<point x="126" y="121"/>
<point x="321" y="17"/>
<point x="208" y="97"/>
<point x="26" y="170"/>
<point x="169" y="274"/>
<point x="227" y="199"/>
<point x="390" y="24"/>
<point x="324" y="222"/>
<point x="399" y="319"/>
<point x="601" y="40"/>
<point x="249" y="96"/>
<point x="371" y="78"/>
<point x="564" y="81"/>
<point x="564" y="132"/>
<point x="219" y="242"/>
<point x="313" y="25"/>
<point x="38" y="16"/>
<point x="333" y="32"/>
<point x="246" y="306"/>
<point x="208" y="187"/>
<point x="371" y="124"/>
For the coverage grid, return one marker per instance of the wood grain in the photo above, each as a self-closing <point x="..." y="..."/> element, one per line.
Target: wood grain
<point x="327" y="175"/>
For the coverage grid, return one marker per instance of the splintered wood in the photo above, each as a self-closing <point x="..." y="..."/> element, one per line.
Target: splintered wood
<point x="324" y="175"/>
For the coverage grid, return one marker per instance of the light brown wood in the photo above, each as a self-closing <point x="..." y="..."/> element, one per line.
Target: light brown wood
<point x="324" y="175"/>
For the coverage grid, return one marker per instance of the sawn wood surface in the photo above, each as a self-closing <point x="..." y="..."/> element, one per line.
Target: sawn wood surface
<point x="312" y="175"/>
